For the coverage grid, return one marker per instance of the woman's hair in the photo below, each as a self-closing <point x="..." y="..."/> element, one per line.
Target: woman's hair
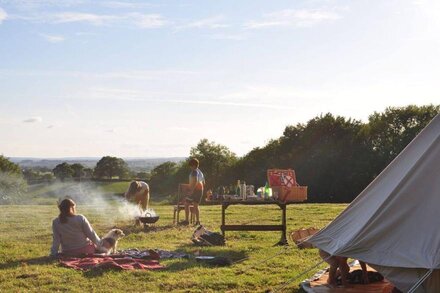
<point x="194" y="162"/>
<point x="64" y="207"/>
<point x="134" y="186"/>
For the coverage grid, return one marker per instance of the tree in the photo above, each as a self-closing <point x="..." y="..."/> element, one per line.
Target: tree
<point x="391" y="131"/>
<point x="109" y="167"/>
<point x="12" y="185"/>
<point x="163" y="178"/>
<point x="78" y="170"/>
<point x="12" y="188"/>
<point x="63" y="171"/>
<point x="328" y="154"/>
<point x="143" y="175"/>
<point x="88" y="173"/>
<point x="214" y="159"/>
<point x="9" y="167"/>
<point x="253" y="166"/>
<point x="48" y="177"/>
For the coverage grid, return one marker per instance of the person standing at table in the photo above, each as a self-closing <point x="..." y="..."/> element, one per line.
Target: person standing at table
<point x="195" y="191"/>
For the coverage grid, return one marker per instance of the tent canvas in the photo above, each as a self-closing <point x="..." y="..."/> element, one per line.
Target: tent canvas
<point x="393" y="224"/>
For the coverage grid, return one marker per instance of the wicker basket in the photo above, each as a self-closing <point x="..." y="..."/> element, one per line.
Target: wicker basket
<point x="298" y="237"/>
<point x="290" y="194"/>
<point x="284" y="185"/>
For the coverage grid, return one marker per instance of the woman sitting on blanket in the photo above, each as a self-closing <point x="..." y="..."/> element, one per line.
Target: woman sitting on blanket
<point x="73" y="232"/>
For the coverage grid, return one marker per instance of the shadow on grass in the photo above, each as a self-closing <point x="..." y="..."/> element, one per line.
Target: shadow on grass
<point x="225" y="256"/>
<point x="42" y="260"/>
<point x="218" y="251"/>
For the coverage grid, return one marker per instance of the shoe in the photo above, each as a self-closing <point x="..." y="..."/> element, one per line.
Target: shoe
<point x="197" y="223"/>
<point x="184" y="223"/>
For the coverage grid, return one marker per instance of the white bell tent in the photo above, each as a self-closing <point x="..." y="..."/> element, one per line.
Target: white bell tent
<point x="394" y="224"/>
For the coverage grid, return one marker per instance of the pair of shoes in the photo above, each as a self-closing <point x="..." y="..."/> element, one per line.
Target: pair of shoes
<point x="184" y="223"/>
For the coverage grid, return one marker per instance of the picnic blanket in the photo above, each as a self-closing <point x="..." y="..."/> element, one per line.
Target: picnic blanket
<point x="318" y="283"/>
<point x="152" y="253"/>
<point x="109" y="262"/>
<point x="128" y="259"/>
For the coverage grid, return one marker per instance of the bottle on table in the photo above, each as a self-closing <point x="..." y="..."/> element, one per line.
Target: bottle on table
<point x="238" y="189"/>
<point x="267" y="191"/>
<point x="243" y="190"/>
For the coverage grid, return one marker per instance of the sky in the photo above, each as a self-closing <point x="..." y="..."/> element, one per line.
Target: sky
<point x="83" y="78"/>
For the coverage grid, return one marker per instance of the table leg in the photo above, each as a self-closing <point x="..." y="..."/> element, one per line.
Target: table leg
<point x="283" y="240"/>
<point x="223" y="219"/>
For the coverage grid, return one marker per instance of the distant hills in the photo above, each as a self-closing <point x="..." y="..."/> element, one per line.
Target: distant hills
<point x="135" y="164"/>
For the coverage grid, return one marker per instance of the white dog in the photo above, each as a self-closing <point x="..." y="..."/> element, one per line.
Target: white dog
<point x="109" y="242"/>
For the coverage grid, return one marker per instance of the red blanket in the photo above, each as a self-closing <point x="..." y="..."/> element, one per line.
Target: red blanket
<point x="124" y="263"/>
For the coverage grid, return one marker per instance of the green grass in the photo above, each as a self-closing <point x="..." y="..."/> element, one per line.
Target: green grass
<point x="114" y="187"/>
<point x="26" y="238"/>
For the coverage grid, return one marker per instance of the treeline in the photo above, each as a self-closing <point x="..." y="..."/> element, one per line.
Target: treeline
<point x="336" y="157"/>
<point x="107" y="167"/>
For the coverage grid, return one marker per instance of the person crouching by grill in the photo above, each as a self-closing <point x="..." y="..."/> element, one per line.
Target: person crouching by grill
<point x="195" y="191"/>
<point x="139" y="193"/>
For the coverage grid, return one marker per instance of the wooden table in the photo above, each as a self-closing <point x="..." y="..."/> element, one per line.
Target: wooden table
<point x="282" y="227"/>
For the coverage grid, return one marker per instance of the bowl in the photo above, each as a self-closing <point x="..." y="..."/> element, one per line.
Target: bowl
<point x="149" y="220"/>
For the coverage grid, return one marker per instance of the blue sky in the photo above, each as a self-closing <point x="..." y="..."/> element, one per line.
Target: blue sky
<point x="151" y="78"/>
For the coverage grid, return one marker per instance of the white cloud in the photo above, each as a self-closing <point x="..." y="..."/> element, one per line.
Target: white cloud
<point x="94" y="19"/>
<point x="148" y="20"/>
<point x="140" y="20"/>
<point x="130" y="5"/>
<point x="214" y="22"/>
<point x="33" y="119"/>
<point x="147" y="75"/>
<point x="294" y="18"/>
<point x="3" y="15"/>
<point x="53" y="38"/>
<point x="36" y="4"/>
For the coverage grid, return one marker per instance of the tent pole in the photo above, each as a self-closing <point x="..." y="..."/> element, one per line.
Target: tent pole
<point x="420" y="281"/>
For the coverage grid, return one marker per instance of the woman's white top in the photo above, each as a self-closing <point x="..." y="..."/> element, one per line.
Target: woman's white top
<point x="75" y="233"/>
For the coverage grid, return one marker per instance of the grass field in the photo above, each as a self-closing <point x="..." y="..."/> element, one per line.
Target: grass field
<point x="46" y="194"/>
<point x="26" y="238"/>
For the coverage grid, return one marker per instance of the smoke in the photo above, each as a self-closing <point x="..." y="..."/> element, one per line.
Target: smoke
<point x="91" y="195"/>
<point x="12" y="188"/>
<point x="113" y="208"/>
<point x="133" y="211"/>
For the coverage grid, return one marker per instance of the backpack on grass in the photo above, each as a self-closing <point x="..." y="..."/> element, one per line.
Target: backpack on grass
<point x="203" y="237"/>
